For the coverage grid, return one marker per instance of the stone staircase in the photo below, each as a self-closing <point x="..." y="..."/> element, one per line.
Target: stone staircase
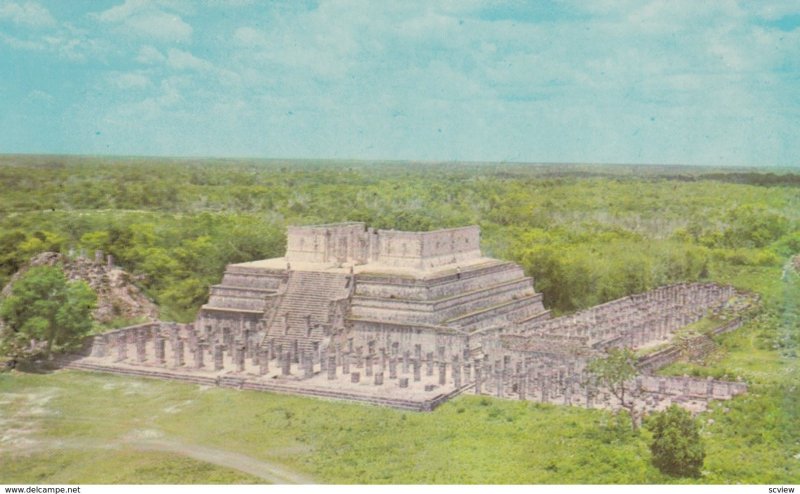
<point x="303" y="310"/>
<point x="244" y="291"/>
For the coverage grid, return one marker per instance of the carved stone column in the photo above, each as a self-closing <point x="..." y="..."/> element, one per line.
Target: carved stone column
<point x="331" y="368"/>
<point x="219" y="358"/>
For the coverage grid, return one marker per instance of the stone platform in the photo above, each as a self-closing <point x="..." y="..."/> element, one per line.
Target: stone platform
<point x="171" y="351"/>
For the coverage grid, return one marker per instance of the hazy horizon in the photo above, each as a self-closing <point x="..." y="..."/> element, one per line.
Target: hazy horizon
<point x="627" y="83"/>
<point x="363" y="161"/>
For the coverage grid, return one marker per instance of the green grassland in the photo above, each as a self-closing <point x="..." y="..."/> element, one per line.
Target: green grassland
<point x="105" y="466"/>
<point x="587" y="234"/>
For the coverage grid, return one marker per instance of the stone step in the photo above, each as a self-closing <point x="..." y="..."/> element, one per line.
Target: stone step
<point x="245" y="384"/>
<point x="500" y="308"/>
<point x="306" y="294"/>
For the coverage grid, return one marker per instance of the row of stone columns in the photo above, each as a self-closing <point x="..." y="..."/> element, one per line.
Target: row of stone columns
<point x="547" y="380"/>
<point x="638" y="319"/>
<point x="569" y="386"/>
<point x="373" y="365"/>
<point x="159" y="337"/>
<point x="395" y="364"/>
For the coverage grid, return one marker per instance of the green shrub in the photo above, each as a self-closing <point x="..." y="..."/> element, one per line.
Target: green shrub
<point x="677" y="448"/>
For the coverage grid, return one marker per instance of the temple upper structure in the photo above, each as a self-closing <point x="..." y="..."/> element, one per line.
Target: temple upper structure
<point x="354" y="243"/>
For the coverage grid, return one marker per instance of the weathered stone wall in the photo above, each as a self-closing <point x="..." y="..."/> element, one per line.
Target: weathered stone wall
<point x="692" y="348"/>
<point x="430" y="338"/>
<point x="399" y="249"/>
<point x="243" y="300"/>
<point x="215" y="320"/>
<point x="257" y="278"/>
<point x="451" y="245"/>
<point x="436" y="311"/>
<point x="354" y="242"/>
<point x="341" y="242"/>
<point x="448" y="285"/>
<point x="505" y="314"/>
<point x="423" y="250"/>
<point x="691" y="386"/>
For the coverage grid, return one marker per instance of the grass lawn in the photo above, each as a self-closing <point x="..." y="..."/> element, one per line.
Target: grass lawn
<point x="105" y="466"/>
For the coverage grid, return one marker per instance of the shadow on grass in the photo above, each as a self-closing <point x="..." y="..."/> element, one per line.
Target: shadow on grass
<point x="38" y="365"/>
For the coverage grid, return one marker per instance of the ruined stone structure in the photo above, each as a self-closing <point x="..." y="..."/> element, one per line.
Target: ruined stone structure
<point x="405" y="319"/>
<point x="117" y="296"/>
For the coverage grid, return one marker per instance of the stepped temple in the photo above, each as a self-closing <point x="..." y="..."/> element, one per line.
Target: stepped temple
<point x="411" y="319"/>
<point x="347" y="286"/>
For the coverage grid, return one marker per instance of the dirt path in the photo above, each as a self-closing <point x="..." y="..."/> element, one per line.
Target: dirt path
<point x="268" y="471"/>
<point x="21" y="413"/>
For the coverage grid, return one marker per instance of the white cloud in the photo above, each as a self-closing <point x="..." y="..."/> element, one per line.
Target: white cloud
<point x="774" y="9"/>
<point x="29" y="14"/>
<point x="129" y="80"/>
<point x="21" y="44"/>
<point x="121" y="12"/>
<point x="63" y="44"/>
<point x="149" y="55"/>
<point x="229" y="3"/>
<point x="160" y="26"/>
<point x="183" y="60"/>
<point x="40" y="96"/>
<point x="164" y="100"/>
<point x="249" y="37"/>
<point x="145" y="19"/>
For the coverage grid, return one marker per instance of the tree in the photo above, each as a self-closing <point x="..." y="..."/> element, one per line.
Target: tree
<point x="677" y="448"/>
<point x="614" y="373"/>
<point x="44" y="308"/>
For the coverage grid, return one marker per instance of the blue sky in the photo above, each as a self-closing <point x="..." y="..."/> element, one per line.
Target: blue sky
<point x="597" y="81"/>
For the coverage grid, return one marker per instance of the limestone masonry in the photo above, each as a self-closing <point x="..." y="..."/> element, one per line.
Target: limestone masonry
<point x="410" y="319"/>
